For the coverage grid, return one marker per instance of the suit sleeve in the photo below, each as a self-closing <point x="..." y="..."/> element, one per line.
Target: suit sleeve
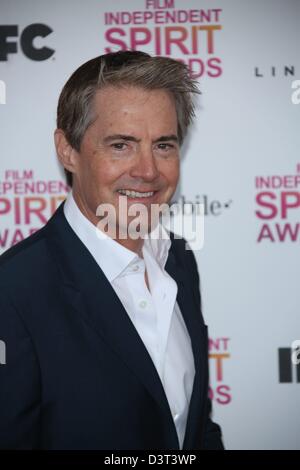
<point x="212" y="431"/>
<point x="19" y="382"/>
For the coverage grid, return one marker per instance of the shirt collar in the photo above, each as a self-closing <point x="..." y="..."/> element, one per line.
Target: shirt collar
<point x="112" y="257"/>
<point x="158" y="243"/>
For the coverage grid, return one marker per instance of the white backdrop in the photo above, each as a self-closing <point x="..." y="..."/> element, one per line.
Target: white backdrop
<point x="241" y="159"/>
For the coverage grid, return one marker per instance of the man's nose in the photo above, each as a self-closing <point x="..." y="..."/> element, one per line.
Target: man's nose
<point x="145" y="166"/>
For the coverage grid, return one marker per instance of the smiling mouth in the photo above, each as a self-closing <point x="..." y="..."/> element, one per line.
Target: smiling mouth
<point x="136" y="194"/>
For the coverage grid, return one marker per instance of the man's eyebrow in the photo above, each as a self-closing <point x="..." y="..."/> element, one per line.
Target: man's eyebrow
<point x="166" y="138"/>
<point x="110" y="138"/>
<point x="162" y="138"/>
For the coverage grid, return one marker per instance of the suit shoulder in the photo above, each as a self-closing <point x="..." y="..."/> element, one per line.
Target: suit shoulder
<point x="29" y="244"/>
<point x="21" y="259"/>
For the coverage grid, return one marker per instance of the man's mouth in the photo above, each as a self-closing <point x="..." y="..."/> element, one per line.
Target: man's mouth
<point x="136" y="194"/>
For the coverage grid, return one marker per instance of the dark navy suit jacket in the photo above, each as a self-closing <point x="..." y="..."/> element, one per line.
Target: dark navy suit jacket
<point x="77" y="374"/>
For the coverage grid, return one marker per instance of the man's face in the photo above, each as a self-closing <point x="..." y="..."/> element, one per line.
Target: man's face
<point x="131" y="146"/>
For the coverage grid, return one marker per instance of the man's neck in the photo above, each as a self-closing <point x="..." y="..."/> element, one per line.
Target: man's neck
<point x="134" y="245"/>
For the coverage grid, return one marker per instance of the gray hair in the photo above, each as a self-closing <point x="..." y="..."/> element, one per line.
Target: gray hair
<point x="123" y="68"/>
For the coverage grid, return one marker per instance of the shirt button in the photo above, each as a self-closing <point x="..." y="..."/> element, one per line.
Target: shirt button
<point x="143" y="304"/>
<point x="135" y="268"/>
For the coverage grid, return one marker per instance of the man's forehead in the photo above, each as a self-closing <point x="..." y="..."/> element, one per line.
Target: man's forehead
<point x="129" y="93"/>
<point x="128" y="112"/>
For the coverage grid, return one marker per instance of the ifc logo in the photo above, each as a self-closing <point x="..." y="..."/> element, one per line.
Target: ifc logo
<point x="27" y="39"/>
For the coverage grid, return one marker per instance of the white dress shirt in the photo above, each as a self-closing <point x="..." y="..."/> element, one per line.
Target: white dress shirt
<point x="155" y="314"/>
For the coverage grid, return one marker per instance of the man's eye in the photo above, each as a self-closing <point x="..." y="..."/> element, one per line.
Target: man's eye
<point x="119" y="146"/>
<point x="164" y="146"/>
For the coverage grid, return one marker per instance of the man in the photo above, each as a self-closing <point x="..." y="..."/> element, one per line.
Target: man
<point x="106" y="347"/>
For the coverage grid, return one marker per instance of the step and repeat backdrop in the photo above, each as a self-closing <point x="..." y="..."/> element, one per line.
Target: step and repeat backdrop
<point x="241" y="160"/>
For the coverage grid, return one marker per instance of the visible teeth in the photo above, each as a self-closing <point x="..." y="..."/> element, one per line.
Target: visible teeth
<point x="128" y="193"/>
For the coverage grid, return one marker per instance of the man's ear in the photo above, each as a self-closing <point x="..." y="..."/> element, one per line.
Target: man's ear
<point x="65" y="152"/>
